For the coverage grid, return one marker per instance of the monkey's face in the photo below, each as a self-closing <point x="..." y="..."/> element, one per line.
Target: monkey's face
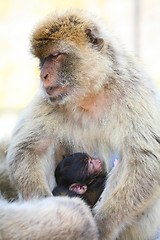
<point x="53" y="78"/>
<point x="65" y="75"/>
<point x="59" y="74"/>
<point x="70" y="58"/>
<point x="95" y="165"/>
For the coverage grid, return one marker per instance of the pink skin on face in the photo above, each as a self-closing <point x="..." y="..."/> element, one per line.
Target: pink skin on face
<point x="94" y="165"/>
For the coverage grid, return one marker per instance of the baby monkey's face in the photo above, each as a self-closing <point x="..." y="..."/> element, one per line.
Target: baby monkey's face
<point x="95" y="165"/>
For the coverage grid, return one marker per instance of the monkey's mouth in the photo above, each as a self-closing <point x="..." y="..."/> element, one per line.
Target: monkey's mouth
<point x="54" y="92"/>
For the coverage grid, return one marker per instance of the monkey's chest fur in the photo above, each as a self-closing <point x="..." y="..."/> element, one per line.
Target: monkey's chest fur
<point x="84" y="128"/>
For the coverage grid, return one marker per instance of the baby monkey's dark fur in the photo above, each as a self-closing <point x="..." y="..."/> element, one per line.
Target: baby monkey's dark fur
<point x="74" y="170"/>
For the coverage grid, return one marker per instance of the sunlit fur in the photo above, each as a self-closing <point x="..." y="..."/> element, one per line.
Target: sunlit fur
<point x="113" y="106"/>
<point x="58" y="218"/>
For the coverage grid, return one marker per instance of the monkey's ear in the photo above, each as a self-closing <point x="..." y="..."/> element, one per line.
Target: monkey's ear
<point x="78" y="188"/>
<point x="98" y="42"/>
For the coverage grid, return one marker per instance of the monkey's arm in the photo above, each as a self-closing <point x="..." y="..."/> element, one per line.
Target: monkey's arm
<point x="29" y="143"/>
<point x="136" y="189"/>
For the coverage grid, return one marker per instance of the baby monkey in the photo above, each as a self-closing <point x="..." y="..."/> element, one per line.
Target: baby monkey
<point x="80" y="175"/>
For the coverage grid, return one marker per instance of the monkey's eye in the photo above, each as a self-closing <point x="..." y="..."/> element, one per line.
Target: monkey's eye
<point x="50" y="57"/>
<point x="56" y="54"/>
<point x="53" y="56"/>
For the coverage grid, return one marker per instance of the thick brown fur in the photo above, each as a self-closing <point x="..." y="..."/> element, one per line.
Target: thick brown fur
<point x="110" y="105"/>
<point x="59" y="218"/>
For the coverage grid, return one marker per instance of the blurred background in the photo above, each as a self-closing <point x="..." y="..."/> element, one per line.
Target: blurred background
<point x="135" y="22"/>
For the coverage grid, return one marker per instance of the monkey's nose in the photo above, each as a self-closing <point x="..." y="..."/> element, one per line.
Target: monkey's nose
<point x="45" y="77"/>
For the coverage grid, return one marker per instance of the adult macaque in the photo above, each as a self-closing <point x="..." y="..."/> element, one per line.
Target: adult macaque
<point x="94" y="98"/>
<point x="80" y="175"/>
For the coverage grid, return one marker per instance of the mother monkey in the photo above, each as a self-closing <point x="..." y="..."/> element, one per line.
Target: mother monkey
<point x="96" y="99"/>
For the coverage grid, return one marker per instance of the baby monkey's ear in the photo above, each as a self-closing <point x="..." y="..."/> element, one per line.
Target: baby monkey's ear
<point x="98" y="42"/>
<point x="78" y="188"/>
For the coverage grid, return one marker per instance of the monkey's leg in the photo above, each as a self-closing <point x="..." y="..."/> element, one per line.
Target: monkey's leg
<point x="49" y="218"/>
